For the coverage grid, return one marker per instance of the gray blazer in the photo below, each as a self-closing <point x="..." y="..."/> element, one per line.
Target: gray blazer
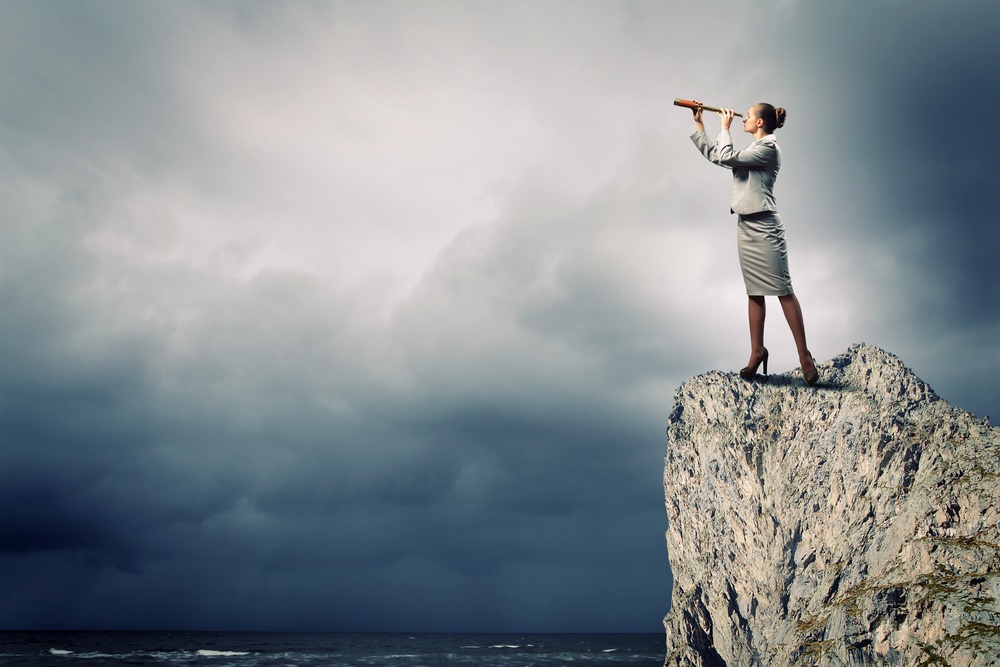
<point x="755" y="169"/>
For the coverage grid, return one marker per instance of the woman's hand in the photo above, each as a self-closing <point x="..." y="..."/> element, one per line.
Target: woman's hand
<point x="727" y="118"/>
<point x="697" y="111"/>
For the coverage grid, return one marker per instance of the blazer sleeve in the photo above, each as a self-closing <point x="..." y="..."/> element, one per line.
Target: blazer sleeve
<point x="707" y="148"/>
<point x="758" y="155"/>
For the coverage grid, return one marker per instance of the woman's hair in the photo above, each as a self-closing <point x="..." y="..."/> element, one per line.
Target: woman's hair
<point x="773" y="118"/>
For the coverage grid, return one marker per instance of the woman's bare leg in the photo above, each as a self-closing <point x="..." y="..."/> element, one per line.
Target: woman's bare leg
<point x="756" y="310"/>
<point x="793" y="314"/>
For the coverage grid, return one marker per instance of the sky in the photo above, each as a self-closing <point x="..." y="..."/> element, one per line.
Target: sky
<point x="349" y="316"/>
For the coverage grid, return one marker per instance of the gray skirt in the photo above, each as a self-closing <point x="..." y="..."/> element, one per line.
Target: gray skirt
<point x="763" y="255"/>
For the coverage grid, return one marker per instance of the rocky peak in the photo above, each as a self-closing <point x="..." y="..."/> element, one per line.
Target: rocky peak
<point x="850" y="523"/>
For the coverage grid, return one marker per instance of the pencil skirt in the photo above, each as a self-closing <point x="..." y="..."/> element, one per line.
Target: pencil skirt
<point x="763" y="254"/>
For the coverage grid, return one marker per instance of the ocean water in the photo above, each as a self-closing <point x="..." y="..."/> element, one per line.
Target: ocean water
<point x="261" y="649"/>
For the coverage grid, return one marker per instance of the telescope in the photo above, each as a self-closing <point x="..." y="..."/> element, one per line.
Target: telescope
<point x="691" y="104"/>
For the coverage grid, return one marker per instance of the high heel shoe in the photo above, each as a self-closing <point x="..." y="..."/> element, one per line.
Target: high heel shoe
<point x="748" y="373"/>
<point x="811" y="376"/>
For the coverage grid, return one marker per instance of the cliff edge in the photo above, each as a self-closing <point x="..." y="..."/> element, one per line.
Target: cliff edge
<point x="851" y="523"/>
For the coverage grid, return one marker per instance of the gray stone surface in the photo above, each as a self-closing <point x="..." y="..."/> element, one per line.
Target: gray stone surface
<point x="851" y="523"/>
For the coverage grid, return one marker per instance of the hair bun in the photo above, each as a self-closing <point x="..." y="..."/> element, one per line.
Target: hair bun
<point x="779" y="117"/>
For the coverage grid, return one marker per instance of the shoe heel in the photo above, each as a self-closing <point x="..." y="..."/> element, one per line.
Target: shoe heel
<point x="812" y="377"/>
<point x="764" y="361"/>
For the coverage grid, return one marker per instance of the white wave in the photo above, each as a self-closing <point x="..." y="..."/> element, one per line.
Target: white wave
<point x="59" y="651"/>
<point x="221" y="654"/>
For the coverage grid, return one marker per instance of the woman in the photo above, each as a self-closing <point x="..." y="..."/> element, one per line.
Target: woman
<point x="761" y="236"/>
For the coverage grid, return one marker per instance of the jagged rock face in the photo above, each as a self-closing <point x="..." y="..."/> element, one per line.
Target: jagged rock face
<point x="851" y="523"/>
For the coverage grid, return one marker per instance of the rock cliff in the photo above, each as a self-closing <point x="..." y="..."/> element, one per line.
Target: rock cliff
<point x="851" y="523"/>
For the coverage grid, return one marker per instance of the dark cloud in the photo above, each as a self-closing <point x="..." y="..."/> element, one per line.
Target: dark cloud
<point x="931" y="71"/>
<point x="356" y="317"/>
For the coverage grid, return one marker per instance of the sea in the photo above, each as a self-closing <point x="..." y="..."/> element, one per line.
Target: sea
<point x="262" y="649"/>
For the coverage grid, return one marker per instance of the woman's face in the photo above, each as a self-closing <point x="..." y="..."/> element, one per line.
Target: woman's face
<point x="750" y="121"/>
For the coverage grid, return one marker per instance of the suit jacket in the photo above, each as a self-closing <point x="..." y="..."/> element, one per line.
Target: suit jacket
<point x="755" y="169"/>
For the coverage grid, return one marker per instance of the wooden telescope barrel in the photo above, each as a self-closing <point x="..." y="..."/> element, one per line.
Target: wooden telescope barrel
<point x="691" y="104"/>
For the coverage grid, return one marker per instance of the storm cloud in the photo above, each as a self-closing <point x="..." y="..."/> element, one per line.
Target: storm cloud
<point x="368" y="315"/>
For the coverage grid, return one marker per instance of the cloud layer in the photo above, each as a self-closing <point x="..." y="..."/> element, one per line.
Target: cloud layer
<point x="367" y="316"/>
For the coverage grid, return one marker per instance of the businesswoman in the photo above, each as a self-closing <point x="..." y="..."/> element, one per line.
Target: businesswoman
<point x="760" y="234"/>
